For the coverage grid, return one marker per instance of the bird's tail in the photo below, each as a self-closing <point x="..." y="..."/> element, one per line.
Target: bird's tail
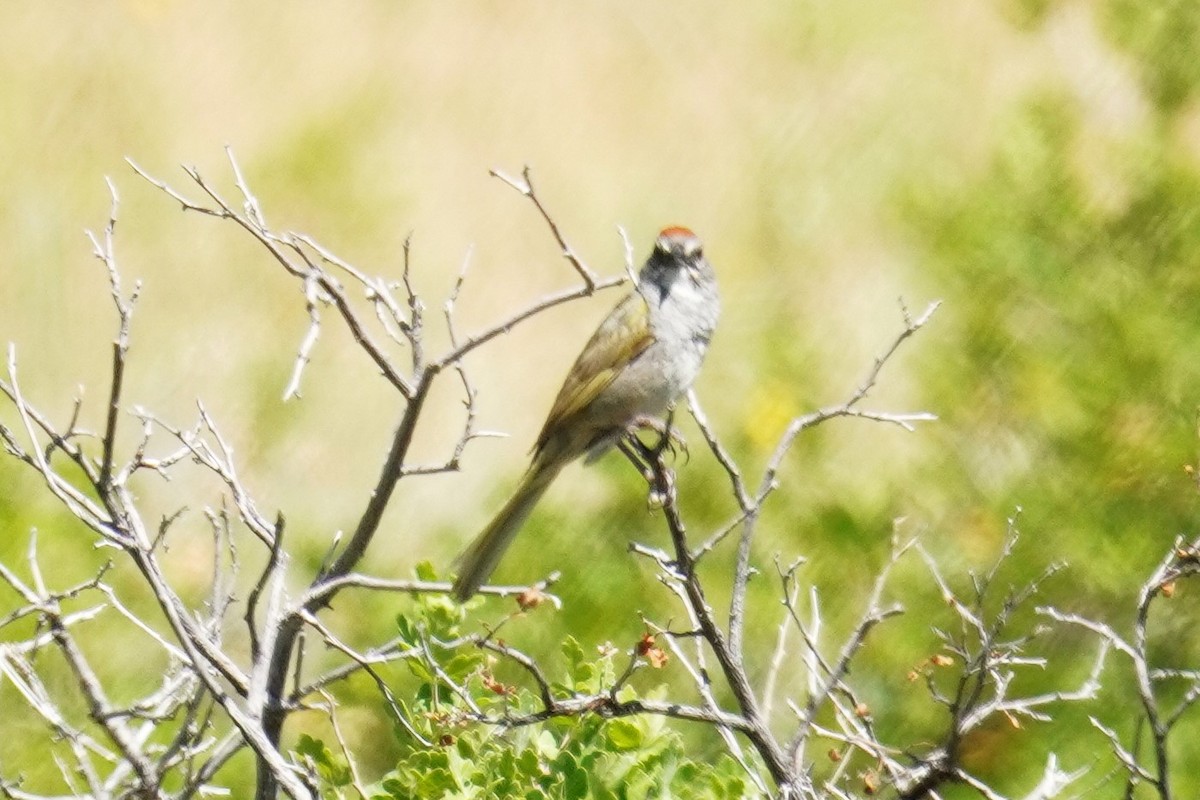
<point x="478" y="561"/>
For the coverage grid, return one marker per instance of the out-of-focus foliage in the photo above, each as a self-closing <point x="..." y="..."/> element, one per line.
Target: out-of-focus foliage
<point x="1068" y="263"/>
<point x="1160" y="37"/>
<point x="1072" y="320"/>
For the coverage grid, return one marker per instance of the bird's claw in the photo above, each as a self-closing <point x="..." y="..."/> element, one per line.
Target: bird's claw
<point x="669" y="438"/>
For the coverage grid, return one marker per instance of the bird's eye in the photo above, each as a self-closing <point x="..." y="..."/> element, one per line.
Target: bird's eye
<point x="692" y="249"/>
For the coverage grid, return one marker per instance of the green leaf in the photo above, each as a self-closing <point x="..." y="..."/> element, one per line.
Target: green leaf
<point x="576" y="659"/>
<point x="332" y="770"/>
<point x="407" y="630"/>
<point x="461" y="665"/>
<point x="443" y="615"/>
<point x="436" y="782"/>
<point x="546" y="745"/>
<point x="460" y="768"/>
<point x="623" y="734"/>
<point x="575" y="779"/>
<point x="639" y="784"/>
<point x="591" y="757"/>
<point x="313" y="748"/>
<point x="528" y="763"/>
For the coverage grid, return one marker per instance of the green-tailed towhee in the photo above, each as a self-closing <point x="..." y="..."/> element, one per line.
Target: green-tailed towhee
<point x="644" y="355"/>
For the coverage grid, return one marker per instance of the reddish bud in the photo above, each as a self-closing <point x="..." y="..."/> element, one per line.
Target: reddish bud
<point x="870" y="783"/>
<point x="530" y="598"/>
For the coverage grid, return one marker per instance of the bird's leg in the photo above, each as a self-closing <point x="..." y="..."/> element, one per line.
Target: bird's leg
<point x="669" y="437"/>
<point x="638" y="454"/>
<point x="648" y="459"/>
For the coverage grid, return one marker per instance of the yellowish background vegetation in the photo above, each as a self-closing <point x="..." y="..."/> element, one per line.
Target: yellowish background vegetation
<point x="796" y="138"/>
<point x="776" y="132"/>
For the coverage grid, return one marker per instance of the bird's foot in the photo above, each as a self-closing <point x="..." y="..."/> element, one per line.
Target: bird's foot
<point x="669" y="438"/>
<point x="660" y="477"/>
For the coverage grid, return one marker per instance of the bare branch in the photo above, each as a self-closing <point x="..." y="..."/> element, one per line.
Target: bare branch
<point x="525" y="187"/>
<point x="317" y="595"/>
<point x="104" y="251"/>
<point x="81" y="506"/>
<point x="849" y="408"/>
<point x="312" y="301"/>
<point x="251" y="220"/>
<point x="213" y="699"/>
<point x="556" y="299"/>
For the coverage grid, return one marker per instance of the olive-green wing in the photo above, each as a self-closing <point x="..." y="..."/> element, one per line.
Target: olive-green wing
<point x="622" y="336"/>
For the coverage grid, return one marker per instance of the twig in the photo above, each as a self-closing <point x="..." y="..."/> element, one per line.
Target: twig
<point x="525" y="187"/>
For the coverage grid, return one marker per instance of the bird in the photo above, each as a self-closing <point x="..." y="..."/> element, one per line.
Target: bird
<point x="644" y="355"/>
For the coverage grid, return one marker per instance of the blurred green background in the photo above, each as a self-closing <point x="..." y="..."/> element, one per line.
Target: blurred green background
<point x="1034" y="164"/>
